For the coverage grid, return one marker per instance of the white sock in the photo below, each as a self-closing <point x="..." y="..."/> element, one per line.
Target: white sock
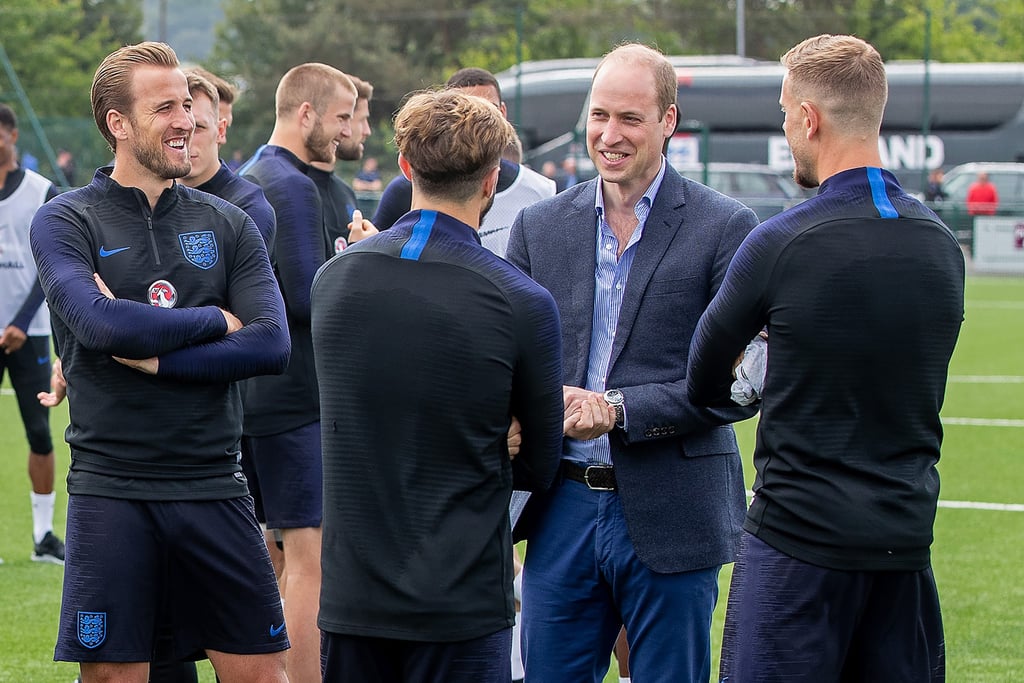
<point x="624" y="679"/>
<point x="42" y="513"/>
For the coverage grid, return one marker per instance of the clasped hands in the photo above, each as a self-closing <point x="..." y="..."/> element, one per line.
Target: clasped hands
<point x="150" y="366"/>
<point x="587" y="416"/>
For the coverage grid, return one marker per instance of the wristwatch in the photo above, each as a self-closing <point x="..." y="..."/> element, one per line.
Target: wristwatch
<point x="616" y="400"/>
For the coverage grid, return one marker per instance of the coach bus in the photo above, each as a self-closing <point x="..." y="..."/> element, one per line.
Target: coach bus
<point x="729" y="112"/>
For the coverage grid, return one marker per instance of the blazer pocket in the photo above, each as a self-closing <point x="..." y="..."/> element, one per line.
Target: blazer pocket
<point x="718" y="441"/>
<point x="684" y="285"/>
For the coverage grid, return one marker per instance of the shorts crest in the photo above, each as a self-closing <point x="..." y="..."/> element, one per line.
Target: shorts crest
<point x="200" y="248"/>
<point x="92" y="629"/>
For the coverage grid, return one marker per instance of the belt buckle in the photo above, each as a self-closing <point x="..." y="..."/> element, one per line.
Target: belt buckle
<point x="593" y="487"/>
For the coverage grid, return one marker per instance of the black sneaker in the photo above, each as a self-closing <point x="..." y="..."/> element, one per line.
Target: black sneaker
<point x="50" y="549"/>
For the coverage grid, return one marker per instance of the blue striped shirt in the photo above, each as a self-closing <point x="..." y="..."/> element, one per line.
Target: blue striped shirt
<point x="610" y="276"/>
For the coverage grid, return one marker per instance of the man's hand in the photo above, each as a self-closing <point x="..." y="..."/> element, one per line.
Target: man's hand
<point x="587" y="415"/>
<point x="104" y="290"/>
<point x="515" y="438"/>
<point x="234" y="324"/>
<point x="12" y="339"/>
<point x="148" y="366"/>
<point x="360" y="228"/>
<point x="58" y="387"/>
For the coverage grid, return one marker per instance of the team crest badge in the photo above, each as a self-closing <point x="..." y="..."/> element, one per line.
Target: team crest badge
<point x="200" y="248"/>
<point x="163" y="294"/>
<point x="340" y="245"/>
<point x="92" y="629"/>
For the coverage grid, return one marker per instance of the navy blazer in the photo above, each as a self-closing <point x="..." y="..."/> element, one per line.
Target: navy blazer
<point x="677" y="465"/>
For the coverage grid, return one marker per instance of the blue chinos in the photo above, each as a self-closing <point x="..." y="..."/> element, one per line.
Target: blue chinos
<point x="582" y="580"/>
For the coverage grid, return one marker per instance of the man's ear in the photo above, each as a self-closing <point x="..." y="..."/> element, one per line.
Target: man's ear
<point x="306" y="115"/>
<point x="403" y="165"/>
<point x="222" y="131"/>
<point x="117" y="124"/>
<point x="491" y="182"/>
<point x="812" y="119"/>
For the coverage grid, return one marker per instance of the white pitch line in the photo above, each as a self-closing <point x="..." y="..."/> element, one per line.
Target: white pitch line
<point x="981" y="422"/>
<point x="972" y="505"/>
<point x="964" y="505"/>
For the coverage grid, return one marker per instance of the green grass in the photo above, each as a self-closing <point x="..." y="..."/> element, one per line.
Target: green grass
<point x="976" y="554"/>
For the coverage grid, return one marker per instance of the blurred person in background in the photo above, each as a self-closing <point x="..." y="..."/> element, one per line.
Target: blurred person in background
<point x="518" y="186"/>
<point x="342" y="225"/>
<point x="25" y="338"/>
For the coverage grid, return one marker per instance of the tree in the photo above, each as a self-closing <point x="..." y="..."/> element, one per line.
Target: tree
<point x="54" y="47"/>
<point x="121" y="20"/>
<point x="402" y="45"/>
<point x="261" y="39"/>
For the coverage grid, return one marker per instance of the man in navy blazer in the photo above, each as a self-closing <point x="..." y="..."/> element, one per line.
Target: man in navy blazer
<point x="651" y="495"/>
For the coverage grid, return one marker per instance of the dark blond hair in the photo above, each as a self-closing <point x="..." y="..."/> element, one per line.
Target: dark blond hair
<point x="451" y="140"/>
<point x="843" y="75"/>
<point x="226" y="92"/>
<point x="311" y="82"/>
<point x="364" y="91"/>
<point x="199" y="84"/>
<point x="636" y="54"/>
<point x="112" y="83"/>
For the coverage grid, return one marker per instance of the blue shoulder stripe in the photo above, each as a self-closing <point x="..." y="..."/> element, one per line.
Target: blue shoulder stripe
<point x="244" y="168"/>
<point x="420" y="234"/>
<point x="881" y="199"/>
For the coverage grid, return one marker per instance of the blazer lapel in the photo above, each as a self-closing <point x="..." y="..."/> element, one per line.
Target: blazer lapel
<point x="580" y="245"/>
<point x="664" y="221"/>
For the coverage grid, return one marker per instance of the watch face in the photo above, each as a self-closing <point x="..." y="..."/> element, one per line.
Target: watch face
<point x="613" y="396"/>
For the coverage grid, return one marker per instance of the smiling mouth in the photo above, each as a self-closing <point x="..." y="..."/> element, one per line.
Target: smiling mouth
<point x="613" y="156"/>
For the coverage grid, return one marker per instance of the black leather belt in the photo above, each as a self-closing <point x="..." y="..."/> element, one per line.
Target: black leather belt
<point x="596" y="477"/>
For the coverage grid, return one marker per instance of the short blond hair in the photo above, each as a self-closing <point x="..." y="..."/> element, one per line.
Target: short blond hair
<point x="311" y="82"/>
<point x="843" y="75"/>
<point x="451" y="140"/>
<point x="199" y="84"/>
<point x="226" y="92"/>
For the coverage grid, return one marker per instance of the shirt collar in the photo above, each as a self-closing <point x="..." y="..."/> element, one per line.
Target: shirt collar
<point x="646" y="201"/>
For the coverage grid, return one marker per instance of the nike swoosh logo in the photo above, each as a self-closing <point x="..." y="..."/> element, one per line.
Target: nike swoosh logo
<point x="275" y="631"/>
<point x="104" y="252"/>
<point x="43" y="360"/>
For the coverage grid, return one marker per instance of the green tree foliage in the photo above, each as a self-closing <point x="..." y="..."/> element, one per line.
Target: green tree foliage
<point x="54" y="52"/>
<point x="402" y="45"/>
<point x="54" y="47"/>
<point x="395" y="48"/>
<point x="121" y="20"/>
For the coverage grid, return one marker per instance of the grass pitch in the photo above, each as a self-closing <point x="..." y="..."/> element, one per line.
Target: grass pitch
<point x="976" y="554"/>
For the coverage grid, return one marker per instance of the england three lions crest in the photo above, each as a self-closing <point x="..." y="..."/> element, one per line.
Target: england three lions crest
<point x="92" y="629"/>
<point x="200" y="248"/>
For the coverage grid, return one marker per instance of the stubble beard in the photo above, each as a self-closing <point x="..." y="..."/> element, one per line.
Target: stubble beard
<point x="320" y="147"/>
<point x="156" y="161"/>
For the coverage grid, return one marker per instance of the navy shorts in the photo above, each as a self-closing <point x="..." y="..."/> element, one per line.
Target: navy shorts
<point x="164" y="580"/>
<point x="289" y="476"/>
<point x="787" y="620"/>
<point x="29" y="368"/>
<point x="347" y="658"/>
